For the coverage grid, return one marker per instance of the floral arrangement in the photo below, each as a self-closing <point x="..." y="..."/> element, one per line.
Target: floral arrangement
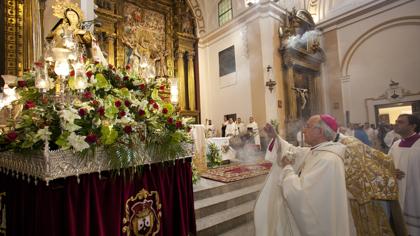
<point x="126" y="115"/>
<point x="214" y="157"/>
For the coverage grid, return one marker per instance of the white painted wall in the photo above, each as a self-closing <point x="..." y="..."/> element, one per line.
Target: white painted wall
<point x="374" y="48"/>
<point x="254" y="35"/>
<point x="231" y="93"/>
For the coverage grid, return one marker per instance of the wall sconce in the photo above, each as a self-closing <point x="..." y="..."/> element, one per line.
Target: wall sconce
<point x="270" y="83"/>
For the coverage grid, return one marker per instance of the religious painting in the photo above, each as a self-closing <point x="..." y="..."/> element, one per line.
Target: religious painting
<point x="143" y="34"/>
<point x="142" y="214"/>
<point x="227" y="62"/>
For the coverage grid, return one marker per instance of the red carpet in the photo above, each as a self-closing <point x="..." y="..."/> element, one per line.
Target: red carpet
<point x="237" y="172"/>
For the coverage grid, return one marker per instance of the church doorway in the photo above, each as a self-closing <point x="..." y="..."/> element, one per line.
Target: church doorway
<point x="388" y="113"/>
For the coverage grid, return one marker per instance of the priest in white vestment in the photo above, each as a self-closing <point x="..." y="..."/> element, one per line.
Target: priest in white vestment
<point x="253" y="126"/>
<point x="406" y="155"/>
<point x="231" y="129"/>
<point x="305" y="192"/>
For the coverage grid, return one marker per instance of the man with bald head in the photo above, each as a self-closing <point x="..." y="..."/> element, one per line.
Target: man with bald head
<point x="305" y="192"/>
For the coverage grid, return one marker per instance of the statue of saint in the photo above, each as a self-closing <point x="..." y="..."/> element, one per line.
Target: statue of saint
<point x="70" y="23"/>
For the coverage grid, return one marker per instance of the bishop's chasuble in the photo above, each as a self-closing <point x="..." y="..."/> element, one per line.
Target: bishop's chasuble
<point x="406" y="155"/>
<point x="308" y="198"/>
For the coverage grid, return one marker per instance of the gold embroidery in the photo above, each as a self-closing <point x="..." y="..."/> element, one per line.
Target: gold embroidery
<point x="369" y="177"/>
<point x="142" y="214"/>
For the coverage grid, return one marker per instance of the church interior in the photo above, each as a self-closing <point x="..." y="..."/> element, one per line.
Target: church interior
<point x="211" y="73"/>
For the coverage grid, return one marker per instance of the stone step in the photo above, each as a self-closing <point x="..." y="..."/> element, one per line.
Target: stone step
<point x="217" y="203"/>
<point x="221" y="188"/>
<point x="225" y="220"/>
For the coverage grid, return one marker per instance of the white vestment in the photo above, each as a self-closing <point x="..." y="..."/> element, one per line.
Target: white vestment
<point x="407" y="159"/>
<point x="231" y="130"/>
<point x="314" y="203"/>
<point x="241" y="128"/>
<point x="391" y="137"/>
<point x="254" y="127"/>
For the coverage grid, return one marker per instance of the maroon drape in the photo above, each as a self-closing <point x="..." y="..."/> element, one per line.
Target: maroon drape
<point x="96" y="206"/>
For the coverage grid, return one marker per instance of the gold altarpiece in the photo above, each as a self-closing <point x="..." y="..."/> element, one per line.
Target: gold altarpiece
<point x="164" y="31"/>
<point x="302" y="58"/>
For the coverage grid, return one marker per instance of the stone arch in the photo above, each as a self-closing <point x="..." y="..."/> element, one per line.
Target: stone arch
<point x="198" y="15"/>
<point x="408" y="20"/>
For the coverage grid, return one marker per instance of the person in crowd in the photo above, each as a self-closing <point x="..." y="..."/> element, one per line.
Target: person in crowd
<point x="360" y="134"/>
<point x="241" y="126"/>
<point x="252" y="127"/>
<point x="225" y="122"/>
<point x="231" y="129"/>
<point x="406" y="155"/>
<point x="390" y="137"/>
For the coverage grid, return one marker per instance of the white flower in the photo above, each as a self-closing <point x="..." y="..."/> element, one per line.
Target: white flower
<point x="77" y="142"/>
<point x="71" y="127"/>
<point x="69" y="115"/>
<point x="44" y="133"/>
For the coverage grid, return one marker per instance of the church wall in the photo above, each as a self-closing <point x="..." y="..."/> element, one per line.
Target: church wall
<point x="254" y="35"/>
<point x="231" y="93"/>
<point x="372" y="48"/>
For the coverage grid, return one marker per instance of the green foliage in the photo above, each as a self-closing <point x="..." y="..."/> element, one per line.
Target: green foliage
<point x="214" y="157"/>
<point x="119" y="111"/>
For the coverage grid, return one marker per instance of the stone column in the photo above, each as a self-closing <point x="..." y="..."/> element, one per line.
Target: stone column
<point x="191" y="81"/>
<point x="181" y="80"/>
<point x="110" y="43"/>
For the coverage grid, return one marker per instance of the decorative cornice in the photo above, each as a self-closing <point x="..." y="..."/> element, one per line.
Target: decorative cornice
<point x="341" y="19"/>
<point x="261" y="10"/>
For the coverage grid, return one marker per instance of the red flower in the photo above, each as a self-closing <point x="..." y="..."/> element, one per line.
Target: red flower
<point x="165" y="110"/>
<point x="91" y="138"/>
<point x="118" y="103"/>
<point x="121" y="114"/>
<point x="39" y="64"/>
<point x="142" y="86"/>
<point x="96" y="62"/>
<point x="29" y="104"/>
<point x="125" y="78"/>
<point x="87" y="95"/>
<point x="151" y="101"/>
<point x="178" y="124"/>
<point x="89" y="74"/>
<point x="162" y="87"/>
<point x="170" y="120"/>
<point x="128" y="67"/>
<point x="82" y="112"/>
<point x="101" y="111"/>
<point x="21" y="83"/>
<point x="94" y="103"/>
<point x="110" y="66"/>
<point x="12" y="136"/>
<point x="117" y="78"/>
<point x="128" y="129"/>
<point x="127" y="103"/>
<point x="72" y="73"/>
<point x="142" y="112"/>
<point x="156" y="106"/>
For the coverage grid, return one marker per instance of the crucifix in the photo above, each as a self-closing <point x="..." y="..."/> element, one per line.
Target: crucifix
<point x="303" y="93"/>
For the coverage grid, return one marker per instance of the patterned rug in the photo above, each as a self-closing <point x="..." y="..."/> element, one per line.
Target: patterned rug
<point x="237" y="172"/>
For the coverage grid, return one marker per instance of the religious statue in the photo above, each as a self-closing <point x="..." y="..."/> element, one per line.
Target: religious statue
<point x="299" y="31"/>
<point x="70" y="24"/>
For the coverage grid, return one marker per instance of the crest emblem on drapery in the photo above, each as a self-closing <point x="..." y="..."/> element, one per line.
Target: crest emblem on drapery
<point x="2" y="213"/>
<point x="142" y="214"/>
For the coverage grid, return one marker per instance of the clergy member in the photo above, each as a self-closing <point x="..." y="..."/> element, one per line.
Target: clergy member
<point x="253" y="128"/>
<point x="406" y="155"/>
<point x="305" y="192"/>
<point x="231" y="129"/>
